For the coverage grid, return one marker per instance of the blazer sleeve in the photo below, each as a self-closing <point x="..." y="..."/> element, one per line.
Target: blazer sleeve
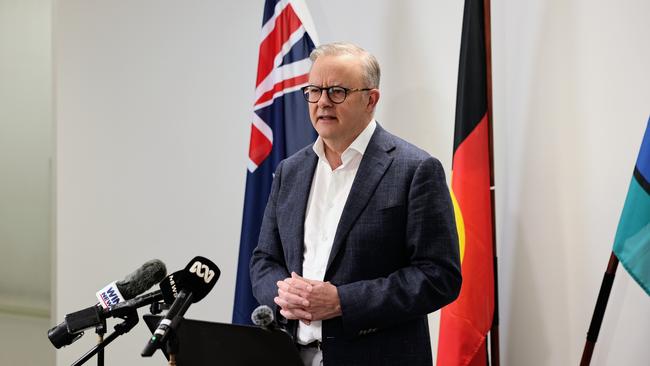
<point x="430" y="280"/>
<point x="268" y="262"/>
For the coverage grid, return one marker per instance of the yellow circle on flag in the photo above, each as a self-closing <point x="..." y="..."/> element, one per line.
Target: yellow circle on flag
<point x="460" y="225"/>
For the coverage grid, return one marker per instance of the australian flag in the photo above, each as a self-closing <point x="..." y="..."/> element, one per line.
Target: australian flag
<point x="280" y="125"/>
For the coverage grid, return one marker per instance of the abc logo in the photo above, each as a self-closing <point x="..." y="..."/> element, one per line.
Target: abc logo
<point x="203" y="271"/>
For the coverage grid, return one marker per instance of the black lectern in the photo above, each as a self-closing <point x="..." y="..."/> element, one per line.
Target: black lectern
<point x="201" y="343"/>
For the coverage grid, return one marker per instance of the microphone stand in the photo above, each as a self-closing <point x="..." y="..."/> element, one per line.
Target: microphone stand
<point x="171" y="346"/>
<point x="100" y="330"/>
<point x="130" y="317"/>
<point x="158" y="307"/>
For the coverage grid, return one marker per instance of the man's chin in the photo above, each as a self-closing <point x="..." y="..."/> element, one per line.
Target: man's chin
<point x="326" y="131"/>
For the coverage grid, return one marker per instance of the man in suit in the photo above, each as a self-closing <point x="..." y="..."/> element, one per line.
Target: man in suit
<point x="358" y="242"/>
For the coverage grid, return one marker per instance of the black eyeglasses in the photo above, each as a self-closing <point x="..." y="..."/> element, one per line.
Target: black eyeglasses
<point x="336" y="94"/>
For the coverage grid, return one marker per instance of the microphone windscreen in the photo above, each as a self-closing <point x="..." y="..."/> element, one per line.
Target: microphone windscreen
<point x="136" y="283"/>
<point x="262" y="316"/>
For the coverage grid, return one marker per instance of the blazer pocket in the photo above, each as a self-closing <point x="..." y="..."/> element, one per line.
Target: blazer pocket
<point x="386" y="200"/>
<point x="390" y="206"/>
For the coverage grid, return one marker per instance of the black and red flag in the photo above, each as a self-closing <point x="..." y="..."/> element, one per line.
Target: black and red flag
<point x="465" y="323"/>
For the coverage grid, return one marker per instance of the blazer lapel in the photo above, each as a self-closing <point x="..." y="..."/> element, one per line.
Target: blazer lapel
<point x="296" y="209"/>
<point x="373" y="165"/>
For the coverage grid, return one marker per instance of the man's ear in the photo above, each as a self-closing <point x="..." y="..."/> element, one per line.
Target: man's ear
<point x="373" y="98"/>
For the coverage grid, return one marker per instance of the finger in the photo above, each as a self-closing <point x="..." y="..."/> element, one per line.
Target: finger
<point x="301" y="314"/>
<point x="299" y="279"/>
<point x="309" y="282"/>
<point x="299" y="282"/>
<point x="295" y="287"/>
<point x="293" y="298"/>
<point x="280" y="302"/>
<point x="313" y="282"/>
<point x="288" y="314"/>
<point x="284" y="285"/>
<point x="284" y="304"/>
<point x="288" y="288"/>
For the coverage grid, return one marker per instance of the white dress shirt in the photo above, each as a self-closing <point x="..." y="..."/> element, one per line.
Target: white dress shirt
<point x="329" y="192"/>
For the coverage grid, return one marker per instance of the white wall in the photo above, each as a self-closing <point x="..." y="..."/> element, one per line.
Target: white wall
<point x="25" y="180"/>
<point x="574" y="96"/>
<point x="153" y="100"/>
<point x="23" y="340"/>
<point x="153" y="106"/>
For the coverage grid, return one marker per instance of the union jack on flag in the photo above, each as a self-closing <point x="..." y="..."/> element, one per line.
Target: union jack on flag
<point x="280" y="124"/>
<point x="283" y="68"/>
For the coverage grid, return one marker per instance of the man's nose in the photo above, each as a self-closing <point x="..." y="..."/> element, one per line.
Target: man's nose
<point x="324" y="100"/>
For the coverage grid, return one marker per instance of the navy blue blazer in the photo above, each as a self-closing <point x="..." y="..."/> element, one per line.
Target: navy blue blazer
<point x="394" y="258"/>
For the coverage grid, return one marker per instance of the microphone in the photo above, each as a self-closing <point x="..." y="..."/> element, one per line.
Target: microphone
<point x="186" y="286"/>
<point x="264" y="317"/>
<point x="150" y="273"/>
<point x="171" y="286"/>
<point x="111" y="296"/>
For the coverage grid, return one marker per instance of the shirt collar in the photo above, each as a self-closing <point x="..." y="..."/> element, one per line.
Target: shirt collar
<point x="359" y="144"/>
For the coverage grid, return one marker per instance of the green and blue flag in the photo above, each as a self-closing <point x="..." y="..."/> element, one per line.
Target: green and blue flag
<point x="632" y="242"/>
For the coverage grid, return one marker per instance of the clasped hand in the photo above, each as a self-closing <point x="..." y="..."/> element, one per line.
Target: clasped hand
<point x="307" y="300"/>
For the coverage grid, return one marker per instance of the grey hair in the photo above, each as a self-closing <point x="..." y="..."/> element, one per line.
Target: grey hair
<point x="369" y="62"/>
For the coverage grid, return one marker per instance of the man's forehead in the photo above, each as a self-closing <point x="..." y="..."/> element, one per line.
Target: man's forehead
<point x="342" y="59"/>
<point x="336" y="68"/>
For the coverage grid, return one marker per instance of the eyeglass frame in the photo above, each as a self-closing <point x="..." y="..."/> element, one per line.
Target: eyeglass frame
<point x="329" y="91"/>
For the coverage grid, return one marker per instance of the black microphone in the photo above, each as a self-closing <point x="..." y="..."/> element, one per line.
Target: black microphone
<point x="172" y="286"/>
<point x="112" y="295"/>
<point x="186" y="286"/>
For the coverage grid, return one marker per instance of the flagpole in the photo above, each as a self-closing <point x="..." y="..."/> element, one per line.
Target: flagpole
<point x="494" y="330"/>
<point x="599" y="311"/>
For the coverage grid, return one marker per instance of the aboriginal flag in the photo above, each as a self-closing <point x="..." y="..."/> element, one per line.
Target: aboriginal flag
<point x="464" y="324"/>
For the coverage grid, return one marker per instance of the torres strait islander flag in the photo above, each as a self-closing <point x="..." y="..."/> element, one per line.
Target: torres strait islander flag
<point x="464" y="324"/>
<point x="280" y="124"/>
<point x="632" y="241"/>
